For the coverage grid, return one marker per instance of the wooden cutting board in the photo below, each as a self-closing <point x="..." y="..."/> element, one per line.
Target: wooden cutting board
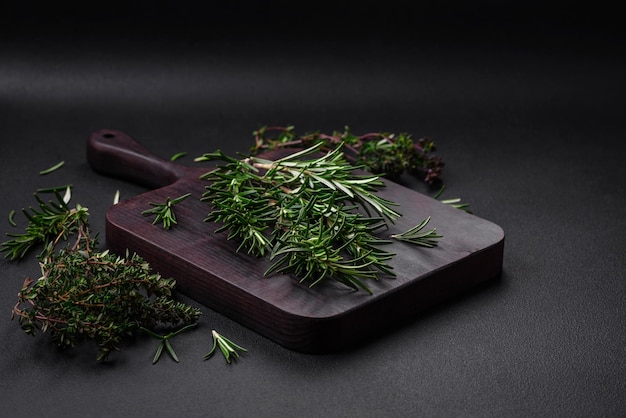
<point x="322" y="319"/>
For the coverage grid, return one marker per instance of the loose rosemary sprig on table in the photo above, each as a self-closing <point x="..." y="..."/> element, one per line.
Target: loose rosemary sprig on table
<point x="229" y="349"/>
<point x="85" y="294"/>
<point x="47" y="221"/>
<point x="311" y="213"/>
<point x="381" y="153"/>
<point x="165" y="342"/>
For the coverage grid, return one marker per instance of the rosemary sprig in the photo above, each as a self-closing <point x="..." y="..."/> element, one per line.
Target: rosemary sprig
<point x="382" y="153"/>
<point x="165" y="343"/>
<point x="84" y="294"/>
<point x="178" y="155"/>
<point x="455" y="202"/>
<point x="228" y="348"/>
<point x="416" y="236"/>
<point x="310" y="212"/>
<point x="165" y="211"/>
<point x="49" y="220"/>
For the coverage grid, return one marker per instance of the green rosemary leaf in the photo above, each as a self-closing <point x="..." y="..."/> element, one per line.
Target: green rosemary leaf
<point x="151" y="333"/>
<point x="177" y="156"/>
<point x="415" y="235"/>
<point x="159" y="350"/>
<point x="170" y="350"/>
<point x="455" y="202"/>
<point x="183" y="329"/>
<point x="212" y="351"/>
<point x="53" y="189"/>
<point x="328" y="183"/>
<point x="233" y="346"/>
<point x="297" y="155"/>
<point x="224" y="350"/>
<point x="53" y="168"/>
<point x="343" y="188"/>
<point x="11" y="218"/>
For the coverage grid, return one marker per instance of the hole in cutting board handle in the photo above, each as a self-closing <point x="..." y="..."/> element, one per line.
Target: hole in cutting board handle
<point x="116" y="154"/>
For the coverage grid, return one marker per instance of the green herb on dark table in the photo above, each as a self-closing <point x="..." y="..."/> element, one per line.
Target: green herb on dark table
<point x="165" y="342"/>
<point x="52" y="168"/>
<point x="165" y="211"/>
<point x="177" y="156"/>
<point x="86" y="294"/>
<point x="229" y="349"/>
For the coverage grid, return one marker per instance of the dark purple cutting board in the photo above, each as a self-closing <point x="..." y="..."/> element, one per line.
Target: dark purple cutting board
<point x="322" y="319"/>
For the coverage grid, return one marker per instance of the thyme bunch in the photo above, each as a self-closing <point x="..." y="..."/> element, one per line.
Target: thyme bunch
<point x="86" y="294"/>
<point x="312" y="214"/>
<point x="383" y="153"/>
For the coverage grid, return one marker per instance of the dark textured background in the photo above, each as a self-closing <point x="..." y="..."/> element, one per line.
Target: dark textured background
<point x="526" y="103"/>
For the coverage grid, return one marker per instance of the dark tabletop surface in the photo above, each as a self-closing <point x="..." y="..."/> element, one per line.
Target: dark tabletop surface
<point x="528" y="114"/>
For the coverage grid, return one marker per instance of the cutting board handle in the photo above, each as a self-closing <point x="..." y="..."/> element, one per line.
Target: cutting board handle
<point x="117" y="154"/>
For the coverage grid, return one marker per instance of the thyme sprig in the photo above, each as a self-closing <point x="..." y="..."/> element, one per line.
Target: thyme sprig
<point x="311" y="213"/>
<point x="84" y="294"/>
<point x="165" y="211"/>
<point x="383" y="153"/>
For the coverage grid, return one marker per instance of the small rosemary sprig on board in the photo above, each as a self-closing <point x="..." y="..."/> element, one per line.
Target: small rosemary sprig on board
<point x="381" y="153"/>
<point x="165" y="211"/>
<point x="417" y="236"/>
<point x="311" y="213"/>
<point x="84" y="294"/>
<point x="454" y="202"/>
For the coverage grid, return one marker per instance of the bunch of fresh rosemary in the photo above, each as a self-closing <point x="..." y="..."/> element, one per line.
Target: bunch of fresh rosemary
<point x="84" y="294"/>
<point x="309" y="212"/>
<point x="379" y="152"/>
